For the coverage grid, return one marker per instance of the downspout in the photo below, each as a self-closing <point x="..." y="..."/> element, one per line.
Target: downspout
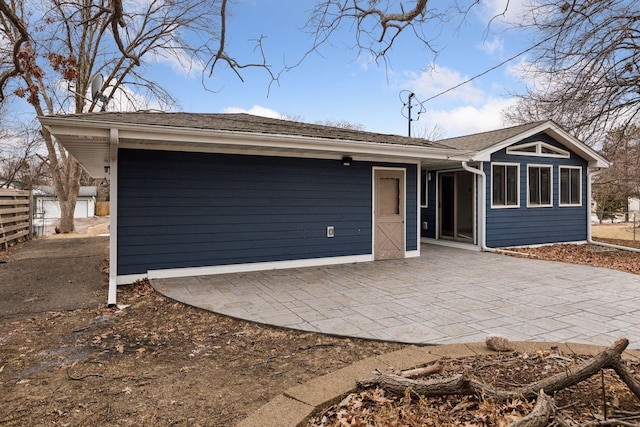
<point x="483" y="212"/>
<point x="482" y="208"/>
<point x="590" y="176"/>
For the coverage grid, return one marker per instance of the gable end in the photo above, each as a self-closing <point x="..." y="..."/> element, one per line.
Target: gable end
<point x="538" y="149"/>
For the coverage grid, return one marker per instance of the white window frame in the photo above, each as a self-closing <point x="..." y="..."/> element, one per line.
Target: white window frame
<point x="505" y="206"/>
<point x="424" y="187"/>
<point x="550" y="204"/>
<point x="560" y="168"/>
<point x="558" y="153"/>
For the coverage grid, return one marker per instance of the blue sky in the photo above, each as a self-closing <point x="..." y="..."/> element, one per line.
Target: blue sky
<point x="336" y="84"/>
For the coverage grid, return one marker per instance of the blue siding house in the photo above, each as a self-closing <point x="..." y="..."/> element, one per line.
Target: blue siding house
<point x="195" y="194"/>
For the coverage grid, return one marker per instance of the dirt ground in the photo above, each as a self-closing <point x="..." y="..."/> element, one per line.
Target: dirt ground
<point x="92" y="226"/>
<point x="620" y="231"/>
<point x="150" y="361"/>
<point x="53" y="274"/>
<point x="155" y="362"/>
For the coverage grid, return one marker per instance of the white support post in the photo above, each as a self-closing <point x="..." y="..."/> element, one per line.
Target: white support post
<point x="113" y="211"/>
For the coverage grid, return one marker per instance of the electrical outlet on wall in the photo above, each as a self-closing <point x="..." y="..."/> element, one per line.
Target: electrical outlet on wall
<point x="330" y="231"/>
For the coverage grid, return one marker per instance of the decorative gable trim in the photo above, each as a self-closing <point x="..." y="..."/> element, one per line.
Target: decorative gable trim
<point x="538" y="149"/>
<point x="550" y="128"/>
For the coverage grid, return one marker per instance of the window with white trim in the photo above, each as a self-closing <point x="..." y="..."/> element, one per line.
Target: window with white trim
<point x="570" y="186"/>
<point x="505" y="185"/>
<point x="424" y="189"/>
<point x="539" y="188"/>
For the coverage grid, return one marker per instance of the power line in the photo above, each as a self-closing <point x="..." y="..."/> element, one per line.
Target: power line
<point x="469" y="80"/>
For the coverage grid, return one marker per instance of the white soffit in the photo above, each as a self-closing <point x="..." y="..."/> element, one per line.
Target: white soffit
<point x="88" y="142"/>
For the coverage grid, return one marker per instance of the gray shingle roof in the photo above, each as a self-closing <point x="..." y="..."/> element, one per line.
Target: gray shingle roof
<point x="483" y="140"/>
<point x="250" y="123"/>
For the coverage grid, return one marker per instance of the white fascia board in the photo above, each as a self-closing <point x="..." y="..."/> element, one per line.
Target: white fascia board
<point x="185" y="137"/>
<point x="59" y="127"/>
<point x="137" y="135"/>
<point x="553" y="130"/>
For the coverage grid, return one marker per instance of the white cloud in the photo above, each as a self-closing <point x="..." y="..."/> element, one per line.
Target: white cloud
<point x="465" y="120"/>
<point x="365" y="61"/>
<point x="256" y="110"/>
<point x="125" y="99"/>
<point x="503" y="11"/>
<point x="439" y="79"/>
<point x="179" y="61"/>
<point x="121" y="99"/>
<point x="491" y="47"/>
<point x="530" y="73"/>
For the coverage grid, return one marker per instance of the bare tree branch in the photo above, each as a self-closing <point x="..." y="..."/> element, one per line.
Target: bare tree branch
<point x="375" y="29"/>
<point x="587" y="68"/>
<point x="71" y="41"/>
<point x="23" y="38"/>
<point x="116" y="20"/>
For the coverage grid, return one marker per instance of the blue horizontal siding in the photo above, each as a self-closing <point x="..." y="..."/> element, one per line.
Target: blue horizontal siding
<point x="536" y="225"/>
<point x="192" y="209"/>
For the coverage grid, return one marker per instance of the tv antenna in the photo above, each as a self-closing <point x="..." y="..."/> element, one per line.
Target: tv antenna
<point x="409" y="106"/>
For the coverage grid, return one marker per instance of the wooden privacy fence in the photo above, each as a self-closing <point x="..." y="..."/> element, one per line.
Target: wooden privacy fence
<point x="15" y="216"/>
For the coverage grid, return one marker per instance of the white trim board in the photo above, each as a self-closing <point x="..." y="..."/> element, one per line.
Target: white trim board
<point x="242" y="268"/>
<point x="450" y="244"/>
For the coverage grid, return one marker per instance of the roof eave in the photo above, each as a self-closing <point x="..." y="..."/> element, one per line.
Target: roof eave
<point x="593" y="158"/>
<point x="152" y="136"/>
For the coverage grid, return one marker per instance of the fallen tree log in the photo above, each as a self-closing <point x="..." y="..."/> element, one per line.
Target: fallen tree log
<point x="396" y="384"/>
<point x="604" y="359"/>
<point x="626" y="376"/>
<point x="541" y="415"/>
<point x="460" y="384"/>
<point x="421" y="372"/>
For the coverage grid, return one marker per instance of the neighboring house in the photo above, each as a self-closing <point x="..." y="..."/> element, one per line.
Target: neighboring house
<point x="47" y="206"/>
<point x="7" y="183"/>
<point x="211" y="193"/>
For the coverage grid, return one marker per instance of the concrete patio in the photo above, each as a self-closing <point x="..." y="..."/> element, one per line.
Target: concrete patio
<point x="446" y="296"/>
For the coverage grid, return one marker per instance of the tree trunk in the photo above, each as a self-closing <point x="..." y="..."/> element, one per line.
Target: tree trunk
<point x="67" y="185"/>
<point x="67" y="208"/>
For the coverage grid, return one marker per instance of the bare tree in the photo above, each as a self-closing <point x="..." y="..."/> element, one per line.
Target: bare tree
<point x="586" y="65"/>
<point x="341" y="124"/>
<point x="20" y="159"/>
<point x="378" y="25"/>
<point x="430" y="132"/>
<point x="535" y="106"/>
<point x="615" y="185"/>
<point x="50" y="50"/>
